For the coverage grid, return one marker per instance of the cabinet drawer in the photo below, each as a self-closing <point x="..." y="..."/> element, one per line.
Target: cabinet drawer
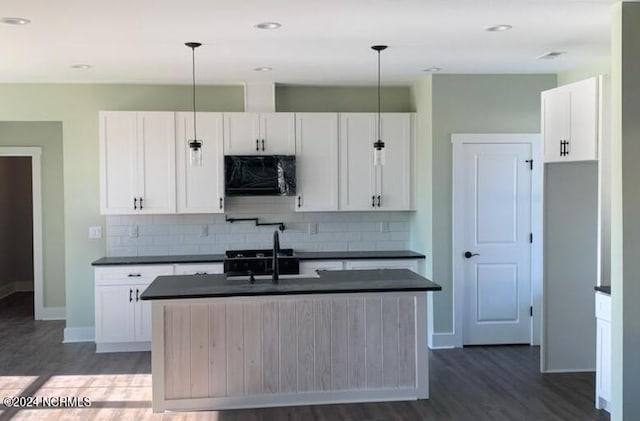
<point x="411" y="264"/>
<point x="130" y="274"/>
<point x="199" y="269"/>
<point x="603" y="306"/>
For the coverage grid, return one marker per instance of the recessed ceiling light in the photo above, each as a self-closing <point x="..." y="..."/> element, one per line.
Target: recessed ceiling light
<point x="15" y="21"/>
<point x="432" y="69"/>
<point x="81" y="66"/>
<point x="263" y="69"/>
<point x="551" y="55"/>
<point x="268" y="25"/>
<point x="498" y="28"/>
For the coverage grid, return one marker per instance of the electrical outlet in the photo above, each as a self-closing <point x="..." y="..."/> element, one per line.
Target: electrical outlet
<point x="313" y="229"/>
<point x="204" y="230"/>
<point x="133" y="231"/>
<point x="383" y="227"/>
<point x="95" y="232"/>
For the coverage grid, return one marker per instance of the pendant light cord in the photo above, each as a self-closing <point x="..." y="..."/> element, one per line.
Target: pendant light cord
<point x="379" y="95"/>
<point x="193" y="73"/>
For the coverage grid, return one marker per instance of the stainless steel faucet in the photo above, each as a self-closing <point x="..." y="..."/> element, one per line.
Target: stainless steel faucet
<point x="276" y="251"/>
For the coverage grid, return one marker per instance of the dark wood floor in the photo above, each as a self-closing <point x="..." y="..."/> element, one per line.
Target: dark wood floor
<point x="476" y="383"/>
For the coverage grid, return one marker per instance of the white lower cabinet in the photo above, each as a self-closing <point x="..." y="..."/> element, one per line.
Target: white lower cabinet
<point x="122" y="319"/>
<point x="603" y="351"/>
<point x="198" y="268"/>
<point x="310" y="267"/>
<point x="411" y="264"/>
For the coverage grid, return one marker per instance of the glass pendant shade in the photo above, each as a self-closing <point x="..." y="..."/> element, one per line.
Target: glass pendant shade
<point x="195" y="153"/>
<point x="378" y="153"/>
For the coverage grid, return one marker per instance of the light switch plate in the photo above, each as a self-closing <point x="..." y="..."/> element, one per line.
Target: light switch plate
<point x="313" y="229"/>
<point x="95" y="232"/>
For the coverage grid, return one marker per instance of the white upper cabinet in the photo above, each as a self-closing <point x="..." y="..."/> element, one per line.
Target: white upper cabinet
<point x="316" y="162"/>
<point x="259" y="133"/>
<point x="393" y="180"/>
<point x="363" y="185"/>
<point x="570" y="120"/>
<point x="137" y="162"/>
<point x="200" y="189"/>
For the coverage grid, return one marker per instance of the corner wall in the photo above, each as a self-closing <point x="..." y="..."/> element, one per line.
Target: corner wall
<point x="471" y="104"/>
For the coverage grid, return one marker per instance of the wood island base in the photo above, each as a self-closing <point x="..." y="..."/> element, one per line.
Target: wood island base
<point x="279" y="350"/>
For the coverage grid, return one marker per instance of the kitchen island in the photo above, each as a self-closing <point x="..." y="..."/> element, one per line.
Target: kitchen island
<point x="343" y="336"/>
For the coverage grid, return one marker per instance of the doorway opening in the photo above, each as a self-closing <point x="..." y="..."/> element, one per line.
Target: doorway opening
<point x="21" y="224"/>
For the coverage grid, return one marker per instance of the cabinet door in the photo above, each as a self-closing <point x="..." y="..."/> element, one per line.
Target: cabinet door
<point x="200" y="189"/>
<point x="199" y="268"/>
<point x="316" y="161"/>
<point x="411" y="264"/>
<point x="604" y="359"/>
<point x="156" y="162"/>
<point x="114" y="313"/>
<point x="555" y="122"/>
<point x="242" y="134"/>
<point x="357" y="172"/>
<point x="277" y="133"/>
<point x="393" y="179"/>
<point x="584" y="120"/>
<point x="117" y="162"/>
<point x="142" y="316"/>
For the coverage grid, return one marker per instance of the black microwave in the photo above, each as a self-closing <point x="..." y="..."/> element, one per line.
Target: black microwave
<point x="260" y="175"/>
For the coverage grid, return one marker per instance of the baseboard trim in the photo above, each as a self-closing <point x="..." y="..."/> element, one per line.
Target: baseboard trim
<point x="123" y="347"/>
<point x="442" y="341"/>
<point x="53" y="313"/>
<point x="78" y="334"/>
<point x="568" y="370"/>
<point x="25" y="286"/>
<point x="6" y="290"/>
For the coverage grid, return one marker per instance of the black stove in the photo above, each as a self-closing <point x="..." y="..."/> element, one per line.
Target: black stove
<point x="260" y="262"/>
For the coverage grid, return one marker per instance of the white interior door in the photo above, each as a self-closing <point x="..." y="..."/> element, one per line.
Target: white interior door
<point x="495" y="184"/>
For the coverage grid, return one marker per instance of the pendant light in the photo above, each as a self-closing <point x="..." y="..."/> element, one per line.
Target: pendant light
<point x="195" y="144"/>
<point x="378" y="145"/>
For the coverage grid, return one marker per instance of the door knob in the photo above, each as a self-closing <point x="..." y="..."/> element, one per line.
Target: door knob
<point x="469" y="255"/>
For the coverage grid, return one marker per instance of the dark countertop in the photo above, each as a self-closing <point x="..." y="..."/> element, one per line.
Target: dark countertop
<point x="354" y="255"/>
<point x="159" y="260"/>
<point x="328" y="282"/>
<point x="604" y="288"/>
<point x="218" y="258"/>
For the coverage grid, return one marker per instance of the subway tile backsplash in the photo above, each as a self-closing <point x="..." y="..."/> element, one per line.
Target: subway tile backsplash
<point x="159" y="235"/>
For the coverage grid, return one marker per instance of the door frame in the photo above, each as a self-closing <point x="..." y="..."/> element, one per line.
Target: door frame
<point x="459" y="140"/>
<point x="35" y="154"/>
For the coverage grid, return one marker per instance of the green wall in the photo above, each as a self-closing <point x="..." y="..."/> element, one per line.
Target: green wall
<point x="342" y="99"/>
<point x="472" y="104"/>
<point x="595" y="68"/>
<point x="48" y="136"/>
<point x="76" y="107"/>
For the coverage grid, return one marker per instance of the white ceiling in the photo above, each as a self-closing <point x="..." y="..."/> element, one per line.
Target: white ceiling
<point x="320" y="42"/>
